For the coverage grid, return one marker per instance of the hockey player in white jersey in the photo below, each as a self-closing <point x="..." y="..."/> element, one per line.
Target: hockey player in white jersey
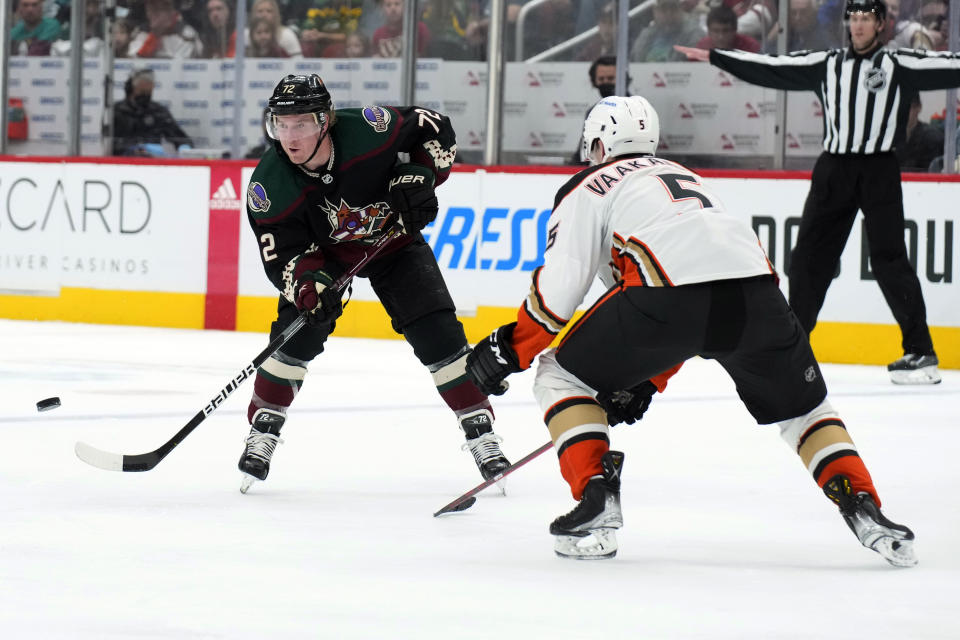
<point x="686" y="277"/>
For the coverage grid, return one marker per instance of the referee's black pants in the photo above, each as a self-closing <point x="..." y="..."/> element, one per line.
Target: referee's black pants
<point x="841" y="184"/>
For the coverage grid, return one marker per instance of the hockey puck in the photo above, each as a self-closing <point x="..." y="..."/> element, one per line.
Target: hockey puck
<point x="48" y="404"/>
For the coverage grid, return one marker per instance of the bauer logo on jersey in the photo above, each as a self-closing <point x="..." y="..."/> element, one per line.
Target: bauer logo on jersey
<point x="377" y="117"/>
<point x="257" y="198"/>
<point x="875" y="80"/>
<point x="354" y="223"/>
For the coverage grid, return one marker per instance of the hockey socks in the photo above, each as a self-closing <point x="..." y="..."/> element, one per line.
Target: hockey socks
<point x="821" y="440"/>
<point x="456" y="388"/>
<point x="277" y="383"/>
<point x="580" y="435"/>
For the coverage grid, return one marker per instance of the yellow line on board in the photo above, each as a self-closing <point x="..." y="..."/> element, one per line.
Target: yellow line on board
<point x="838" y="342"/>
<point x="96" y="306"/>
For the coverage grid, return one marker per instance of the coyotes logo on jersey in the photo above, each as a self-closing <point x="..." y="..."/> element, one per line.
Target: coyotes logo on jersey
<point x="355" y="223"/>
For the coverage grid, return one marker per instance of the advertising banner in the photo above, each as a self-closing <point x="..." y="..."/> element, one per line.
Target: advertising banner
<point x="103" y="226"/>
<point x="491" y="233"/>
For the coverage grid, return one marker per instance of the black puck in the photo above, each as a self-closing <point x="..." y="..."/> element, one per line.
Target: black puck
<point x="48" y="404"/>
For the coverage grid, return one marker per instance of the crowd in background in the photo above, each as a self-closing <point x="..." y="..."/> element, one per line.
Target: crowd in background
<point x="457" y="30"/>
<point x="453" y="29"/>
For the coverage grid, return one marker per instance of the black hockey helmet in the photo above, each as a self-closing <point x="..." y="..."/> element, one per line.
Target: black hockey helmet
<point x="876" y="7"/>
<point x="299" y="94"/>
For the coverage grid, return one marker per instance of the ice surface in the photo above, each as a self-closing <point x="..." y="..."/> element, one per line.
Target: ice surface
<point x="725" y="536"/>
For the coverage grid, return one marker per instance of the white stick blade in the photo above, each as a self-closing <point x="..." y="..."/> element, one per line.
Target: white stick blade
<point x="98" y="458"/>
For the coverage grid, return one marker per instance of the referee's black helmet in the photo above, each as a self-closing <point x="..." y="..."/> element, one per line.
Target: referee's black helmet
<point x="876" y="7"/>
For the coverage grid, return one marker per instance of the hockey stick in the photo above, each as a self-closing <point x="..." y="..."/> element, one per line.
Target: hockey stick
<point x="146" y="461"/>
<point x="466" y="500"/>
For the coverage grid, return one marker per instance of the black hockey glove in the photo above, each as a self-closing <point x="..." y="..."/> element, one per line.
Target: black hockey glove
<point x="628" y="405"/>
<point x="492" y="360"/>
<point x="314" y="294"/>
<point x="411" y="196"/>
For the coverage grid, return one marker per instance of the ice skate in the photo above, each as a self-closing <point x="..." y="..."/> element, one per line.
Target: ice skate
<point x="263" y="439"/>
<point x="588" y="532"/>
<point x="892" y="541"/>
<point x="914" y="368"/>
<point x="484" y="444"/>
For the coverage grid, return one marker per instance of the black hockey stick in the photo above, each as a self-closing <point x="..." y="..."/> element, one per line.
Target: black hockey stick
<point x="466" y="500"/>
<point x="146" y="461"/>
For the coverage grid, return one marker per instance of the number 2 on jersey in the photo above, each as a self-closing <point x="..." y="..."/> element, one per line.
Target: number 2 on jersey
<point x="269" y="244"/>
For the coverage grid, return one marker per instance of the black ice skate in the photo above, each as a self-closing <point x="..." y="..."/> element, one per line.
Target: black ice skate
<point x="484" y="444"/>
<point x="589" y="531"/>
<point x="914" y="368"/>
<point x="263" y="439"/>
<point x="892" y="541"/>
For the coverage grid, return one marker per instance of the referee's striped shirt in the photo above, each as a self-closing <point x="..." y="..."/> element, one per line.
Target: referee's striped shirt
<point x="866" y="98"/>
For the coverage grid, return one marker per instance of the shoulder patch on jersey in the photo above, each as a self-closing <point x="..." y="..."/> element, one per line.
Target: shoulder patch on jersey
<point x="257" y="198"/>
<point x="377" y="117"/>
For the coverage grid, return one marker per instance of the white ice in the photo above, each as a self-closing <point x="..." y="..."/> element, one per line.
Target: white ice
<point x="725" y="536"/>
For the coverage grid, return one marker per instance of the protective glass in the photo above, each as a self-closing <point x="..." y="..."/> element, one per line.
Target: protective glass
<point x="295" y="126"/>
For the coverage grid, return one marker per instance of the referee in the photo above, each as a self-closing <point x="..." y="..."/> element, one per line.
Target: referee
<point x="866" y="93"/>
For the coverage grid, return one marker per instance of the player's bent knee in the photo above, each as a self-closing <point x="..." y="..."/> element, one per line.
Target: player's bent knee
<point x="795" y="430"/>
<point x="554" y="384"/>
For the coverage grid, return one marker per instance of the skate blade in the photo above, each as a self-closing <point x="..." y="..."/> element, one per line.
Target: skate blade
<point x="926" y="375"/>
<point x="599" y="544"/>
<point x="899" y="553"/>
<point x="246" y="482"/>
<point x="502" y="485"/>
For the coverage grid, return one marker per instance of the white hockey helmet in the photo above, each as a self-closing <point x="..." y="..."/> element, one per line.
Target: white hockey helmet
<point x="623" y="125"/>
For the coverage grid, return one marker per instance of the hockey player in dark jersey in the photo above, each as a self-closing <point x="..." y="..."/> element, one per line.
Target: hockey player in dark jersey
<point x="319" y="197"/>
<point x="686" y="277"/>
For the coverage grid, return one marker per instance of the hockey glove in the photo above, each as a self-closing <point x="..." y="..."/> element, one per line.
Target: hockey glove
<point x="492" y="360"/>
<point x="314" y="294"/>
<point x="628" y="405"/>
<point x="411" y="196"/>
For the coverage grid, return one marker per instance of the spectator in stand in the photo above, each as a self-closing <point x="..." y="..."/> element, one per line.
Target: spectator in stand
<point x="923" y="143"/>
<point x="604" y="43"/>
<point x="357" y="45"/>
<point x="284" y="36"/>
<point x="263" y="40"/>
<point x="934" y="26"/>
<point x="193" y="12"/>
<point x="722" y="32"/>
<point x="806" y="32"/>
<point x="892" y="24"/>
<point x="603" y="78"/>
<point x="121" y="36"/>
<point x="447" y="22"/>
<point x="93" y="32"/>
<point x="33" y="34"/>
<point x="387" y="41"/>
<point x="168" y="36"/>
<point x="755" y="18"/>
<point x="476" y="30"/>
<point x="140" y="125"/>
<point x="220" y="30"/>
<point x="135" y="13"/>
<point x="324" y="32"/>
<point x="902" y="30"/>
<point x="671" y="25"/>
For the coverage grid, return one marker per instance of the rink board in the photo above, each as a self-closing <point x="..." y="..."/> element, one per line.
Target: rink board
<point x="165" y="243"/>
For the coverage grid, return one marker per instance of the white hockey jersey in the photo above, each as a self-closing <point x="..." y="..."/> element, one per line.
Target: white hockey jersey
<point x="639" y="221"/>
